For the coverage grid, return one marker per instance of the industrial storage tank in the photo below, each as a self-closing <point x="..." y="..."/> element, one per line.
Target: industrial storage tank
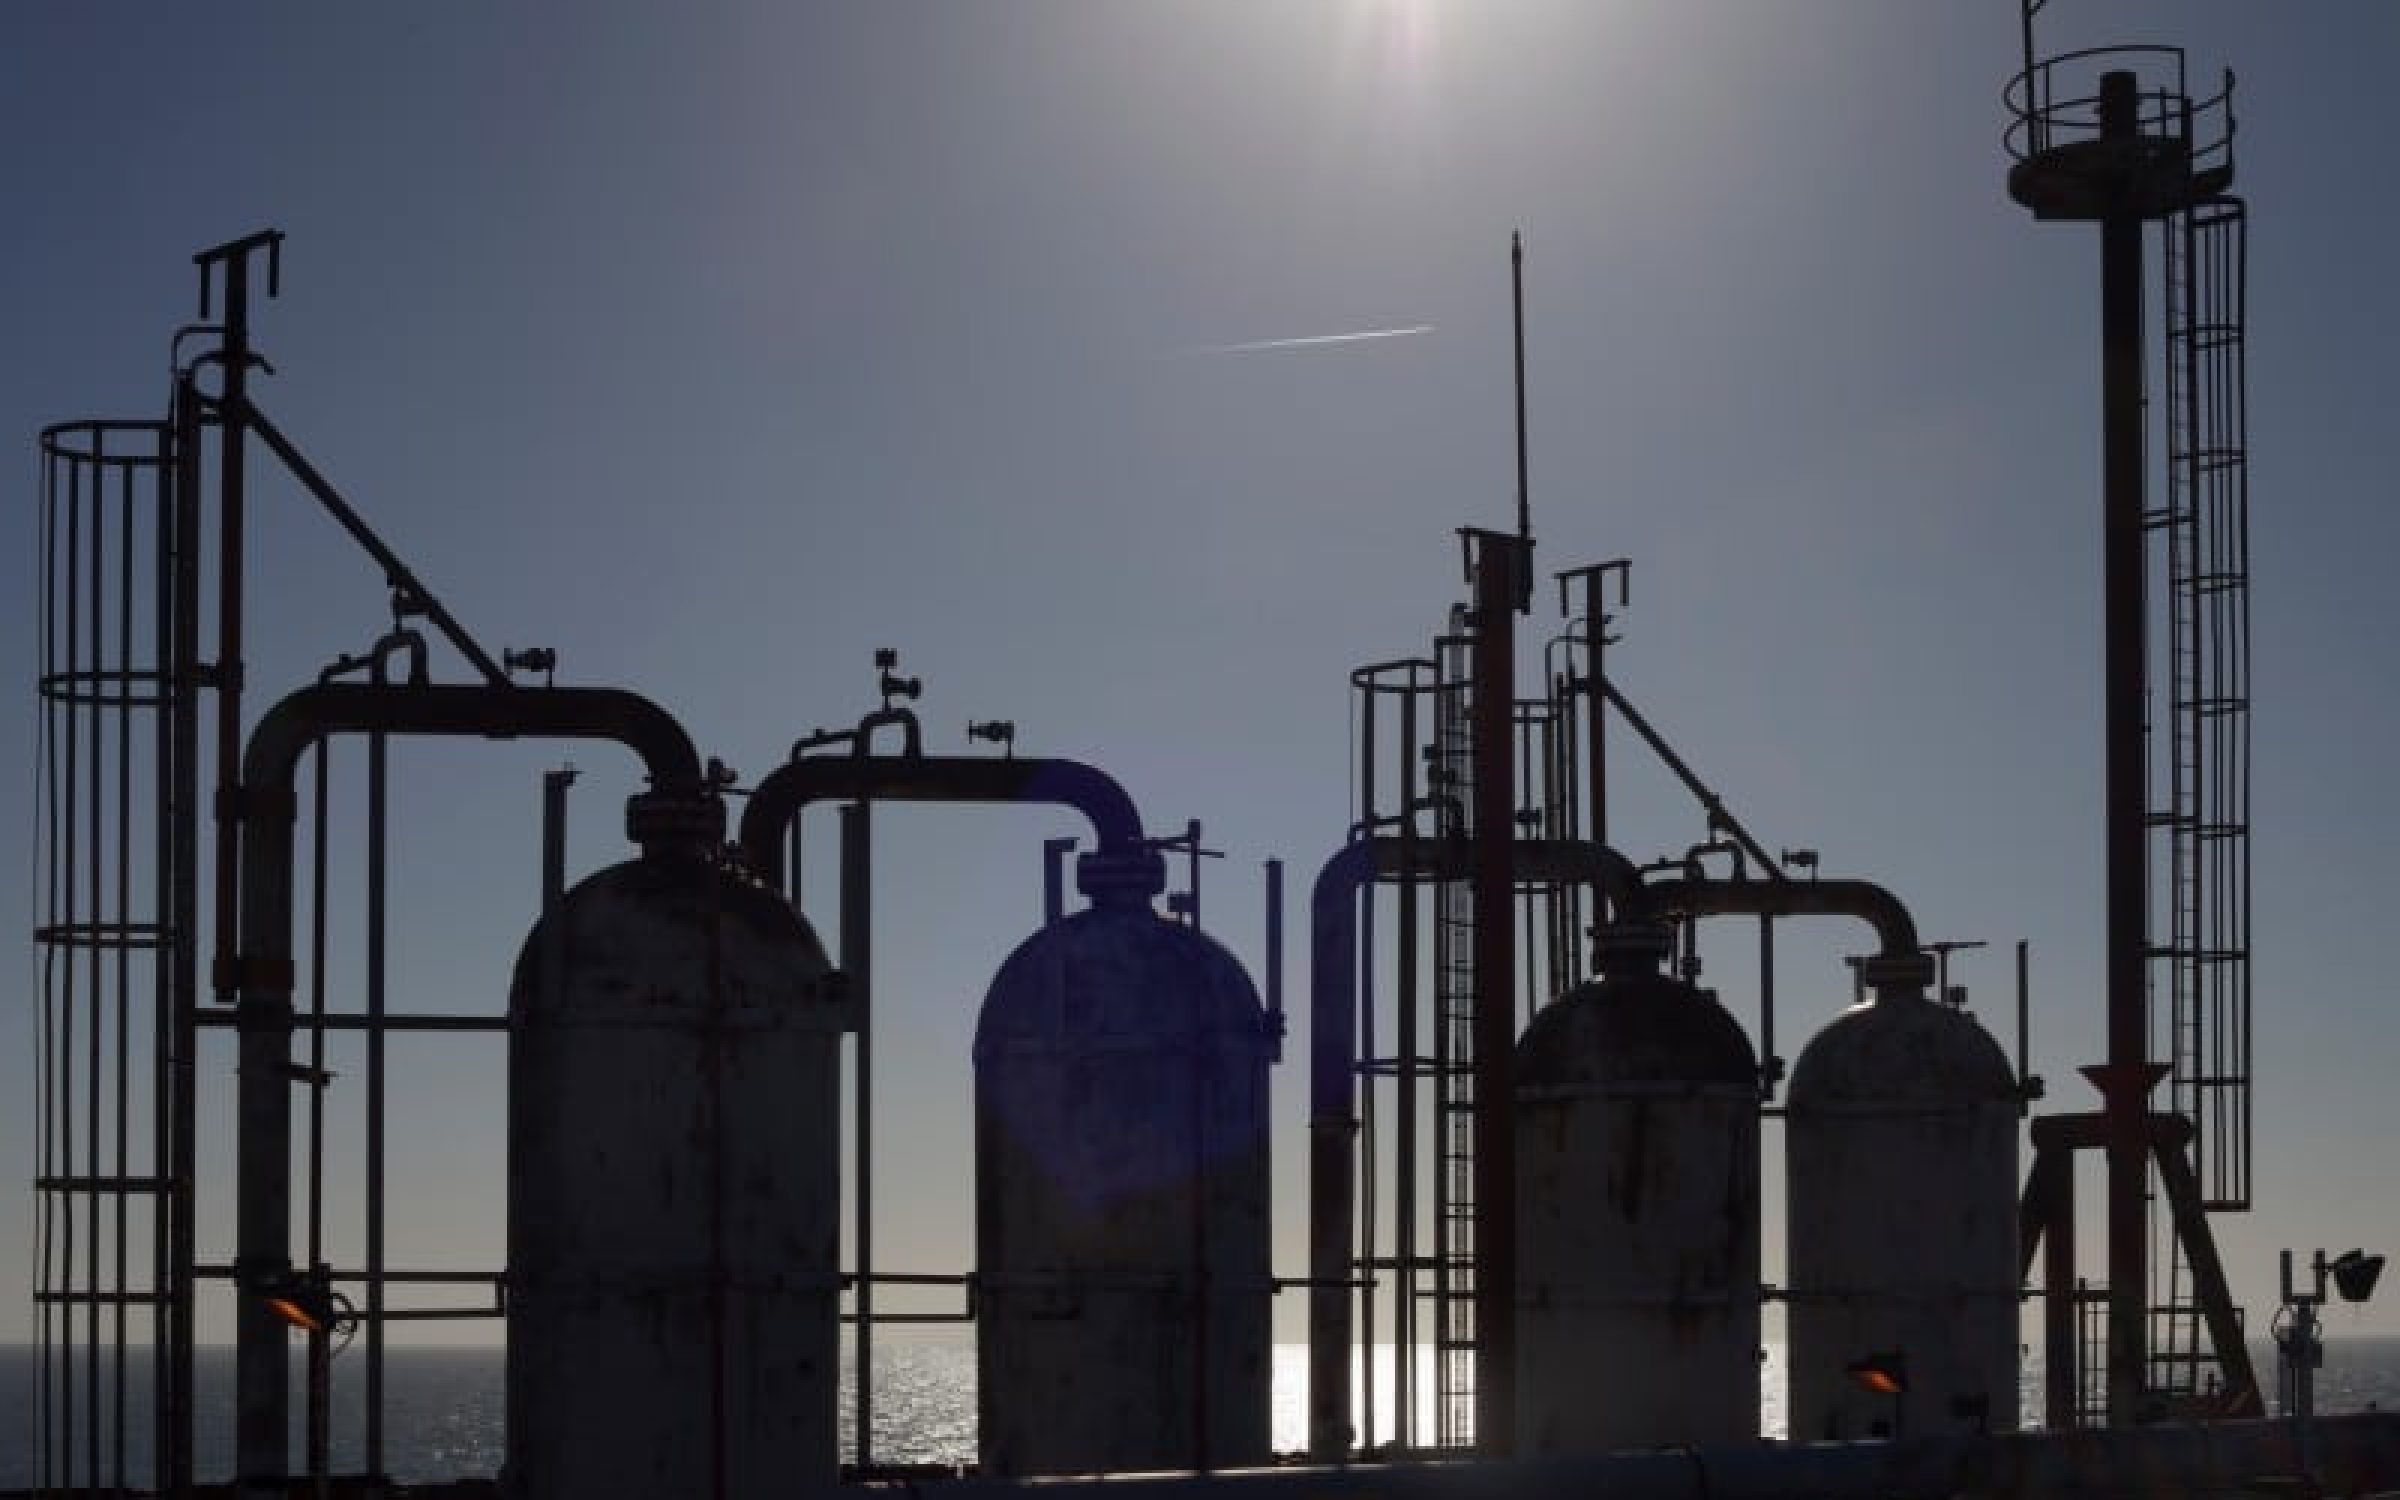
<point x="1121" y="1195"/>
<point x="673" y="1191"/>
<point x="1637" y="1214"/>
<point x="1900" y="1134"/>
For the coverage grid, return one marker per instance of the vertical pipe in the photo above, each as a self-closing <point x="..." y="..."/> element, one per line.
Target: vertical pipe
<point x="1497" y="565"/>
<point x="1332" y="1127"/>
<point x="858" y="963"/>
<point x="2124" y="563"/>
<point x="1054" y="877"/>
<point x="318" y="1350"/>
<point x="1275" y="943"/>
<point x="263" y="1188"/>
<point x="227" y="678"/>
<point x="1767" y="1065"/>
<point x="552" y="875"/>
<point x="2061" y="1369"/>
<point x="2024" y="1013"/>
<point x="260" y="1379"/>
<point x="552" y="998"/>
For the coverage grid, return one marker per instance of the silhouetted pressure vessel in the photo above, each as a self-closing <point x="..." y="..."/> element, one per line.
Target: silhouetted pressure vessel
<point x="1121" y="1185"/>
<point x="1637" y="1216"/>
<point x="673" y="1192"/>
<point x="1900" y="1135"/>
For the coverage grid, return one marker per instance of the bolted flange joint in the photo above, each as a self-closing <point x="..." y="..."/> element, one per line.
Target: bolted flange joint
<point x="675" y="821"/>
<point x="1121" y="877"/>
<point x="1633" y="946"/>
<point x="1894" y="974"/>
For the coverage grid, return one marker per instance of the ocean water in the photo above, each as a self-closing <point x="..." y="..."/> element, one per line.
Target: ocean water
<point x="443" y="1407"/>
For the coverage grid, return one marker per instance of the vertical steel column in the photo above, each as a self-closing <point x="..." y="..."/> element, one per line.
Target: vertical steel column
<point x="183" y="916"/>
<point x="94" y="862"/>
<point x="1498" y="569"/>
<point x="124" y="914"/>
<point x="2062" y="1370"/>
<point x="2127" y="1078"/>
<point x="858" y="930"/>
<point x="1404" y="1124"/>
<point x="1595" y="705"/>
<point x="264" y="1018"/>
<point x="162" y="1004"/>
<point x="1363" y="1253"/>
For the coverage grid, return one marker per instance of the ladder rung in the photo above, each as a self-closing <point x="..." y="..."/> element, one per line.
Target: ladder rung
<point x="102" y="1184"/>
<point x="80" y="1298"/>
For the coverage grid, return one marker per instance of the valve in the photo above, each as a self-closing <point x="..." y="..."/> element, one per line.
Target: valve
<point x="542" y="659"/>
<point x="1001" y="732"/>
<point x="891" y="684"/>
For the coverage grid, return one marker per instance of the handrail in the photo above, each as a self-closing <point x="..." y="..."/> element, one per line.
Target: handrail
<point x="2031" y="97"/>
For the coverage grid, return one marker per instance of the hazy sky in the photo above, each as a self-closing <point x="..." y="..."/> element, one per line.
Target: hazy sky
<point x="718" y="346"/>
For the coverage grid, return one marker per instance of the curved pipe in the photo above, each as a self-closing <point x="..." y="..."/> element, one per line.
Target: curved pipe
<point x="1900" y="964"/>
<point x="313" y="713"/>
<point x="778" y="799"/>
<point x="1333" y="1078"/>
<point x="261" y="973"/>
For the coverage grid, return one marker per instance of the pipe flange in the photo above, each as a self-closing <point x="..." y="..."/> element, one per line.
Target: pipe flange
<point x="675" y="822"/>
<point x="1886" y="973"/>
<point x="1632" y="946"/>
<point x="1121" y="876"/>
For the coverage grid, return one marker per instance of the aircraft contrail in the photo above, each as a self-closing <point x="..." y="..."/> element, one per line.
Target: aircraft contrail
<point x="1261" y="346"/>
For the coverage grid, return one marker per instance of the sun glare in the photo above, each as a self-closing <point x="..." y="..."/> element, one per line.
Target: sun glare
<point x="1393" y="40"/>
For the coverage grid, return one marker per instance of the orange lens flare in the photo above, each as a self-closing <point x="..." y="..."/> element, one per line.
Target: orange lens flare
<point x="293" y="1313"/>
<point x="1878" y="1381"/>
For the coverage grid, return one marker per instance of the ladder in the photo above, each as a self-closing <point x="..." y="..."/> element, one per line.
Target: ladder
<point x="1454" y="1068"/>
<point x="2201" y="534"/>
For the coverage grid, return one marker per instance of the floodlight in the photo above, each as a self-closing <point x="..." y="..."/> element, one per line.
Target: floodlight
<point x="2354" y="1274"/>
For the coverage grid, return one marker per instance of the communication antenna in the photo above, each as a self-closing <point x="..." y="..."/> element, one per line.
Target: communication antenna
<point x="1516" y="285"/>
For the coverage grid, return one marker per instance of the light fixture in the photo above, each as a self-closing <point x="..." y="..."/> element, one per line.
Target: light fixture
<point x="1885" y="1374"/>
<point x="2354" y="1273"/>
<point x="308" y="1303"/>
<point x="303" y="1310"/>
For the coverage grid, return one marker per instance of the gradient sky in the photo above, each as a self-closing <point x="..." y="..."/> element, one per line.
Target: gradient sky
<point x="719" y="346"/>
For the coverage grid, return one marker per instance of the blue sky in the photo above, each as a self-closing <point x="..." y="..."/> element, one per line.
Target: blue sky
<point x="720" y="346"/>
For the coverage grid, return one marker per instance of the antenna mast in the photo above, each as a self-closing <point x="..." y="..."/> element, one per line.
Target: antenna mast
<point x="1516" y="283"/>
